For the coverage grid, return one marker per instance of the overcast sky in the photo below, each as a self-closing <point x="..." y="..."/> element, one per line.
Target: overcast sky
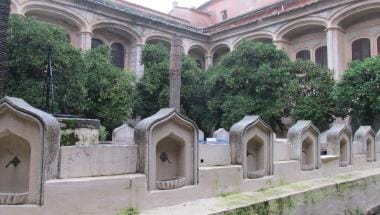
<point x="166" y="5"/>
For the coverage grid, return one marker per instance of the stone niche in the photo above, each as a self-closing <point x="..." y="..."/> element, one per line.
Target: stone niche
<point x="251" y="142"/>
<point x="305" y="145"/>
<point x="339" y="143"/>
<point x="364" y="143"/>
<point x="29" y="147"/>
<point x="167" y="150"/>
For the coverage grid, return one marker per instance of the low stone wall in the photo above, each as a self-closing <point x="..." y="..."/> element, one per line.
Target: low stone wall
<point x="214" y="154"/>
<point x="97" y="160"/>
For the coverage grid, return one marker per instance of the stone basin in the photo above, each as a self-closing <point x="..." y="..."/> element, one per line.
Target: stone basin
<point x="171" y="183"/>
<point x="256" y="174"/>
<point x="13" y="198"/>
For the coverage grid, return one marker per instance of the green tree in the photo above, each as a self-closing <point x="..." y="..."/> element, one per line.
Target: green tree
<point x="259" y="79"/>
<point x="357" y="94"/>
<point x="4" y="16"/>
<point x="250" y="80"/>
<point x="86" y="84"/>
<point x="312" y="99"/>
<point x="152" y="92"/>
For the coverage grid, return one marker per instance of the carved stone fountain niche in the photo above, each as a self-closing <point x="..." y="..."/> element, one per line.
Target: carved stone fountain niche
<point x="339" y="143"/>
<point x="364" y="143"/>
<point x="251" y="142"/>
<point x="305" y="145"/>
<point x="168" y="150"/>
<point x="29" y="144"/>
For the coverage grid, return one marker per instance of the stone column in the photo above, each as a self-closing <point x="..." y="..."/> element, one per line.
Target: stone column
<point x="176" y="51"/>
<point x="208" y="61"/>
<point x="135" y="63"/>
<point x="336" y="51"/>
<point x="85" y="40"/>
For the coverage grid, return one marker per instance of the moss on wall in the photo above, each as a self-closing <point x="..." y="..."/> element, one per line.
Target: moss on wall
<point x="69" y="139"/>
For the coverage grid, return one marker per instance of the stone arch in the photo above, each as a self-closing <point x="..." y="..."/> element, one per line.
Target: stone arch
<point x="337" y="19"/>
<point x="31" y="156"/>
<point x="339" y="143"/>
<point x="15" y="154"/>
<point x="60" y="16"/>
<point x="159" y="38"/>
<point x="305" y="145"/>
<point x="15" y="7"/>
<point x="305" y="33"/>
<point x="262" y="36"/>
<point x="198" y="53"/>
<point x="47" y="11"/>
<point x="251" y="142"/>
<point x="217" y="51"/>
<point x="127" y="32"/>
<point x="364" y="142"/>
<point x="301" y="24"/>
<point x="168" y="141"/>
<point x="170" y="158"/>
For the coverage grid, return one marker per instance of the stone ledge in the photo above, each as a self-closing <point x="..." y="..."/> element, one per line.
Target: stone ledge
<point x="345" y="193"/>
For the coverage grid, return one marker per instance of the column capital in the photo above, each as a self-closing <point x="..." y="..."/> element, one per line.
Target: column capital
<point x="335" y="28"/>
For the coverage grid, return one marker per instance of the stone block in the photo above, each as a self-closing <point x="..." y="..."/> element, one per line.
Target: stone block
<point x="222" y="135"/>
<point x="97" y="160"/>
<point x="123" y="135"/>
<point x="77" y="131"/>
<point x="214" y="154"/>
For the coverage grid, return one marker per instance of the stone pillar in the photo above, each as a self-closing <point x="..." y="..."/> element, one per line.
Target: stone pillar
<point x="135" y="63"/>
<point x="176" y="52"/>
<point x="336" y="51"/>
<point x="85" y="40"/>
<point x="208" y="61"/>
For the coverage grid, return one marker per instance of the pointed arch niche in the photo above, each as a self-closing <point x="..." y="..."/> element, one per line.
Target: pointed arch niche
<point x="168" y="150"/>
<point x="364" y="143"/>
<point x="305" y="145"/>
<point x="251" y="142"/>
<point x="29" y="145"/>
<point x="339" y="143"/>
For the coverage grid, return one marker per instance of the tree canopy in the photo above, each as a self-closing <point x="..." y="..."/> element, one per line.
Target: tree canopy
<point x="258" y="79"/>
<point x="85" y="83"/>
<point x="357" y="94"/>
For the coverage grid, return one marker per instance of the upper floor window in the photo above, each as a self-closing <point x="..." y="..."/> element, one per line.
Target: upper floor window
<point x="117" y="53"/>
<point x="321" y="56"/>
<point x="303" y="55"/>
<point x="361" y="49"/>
<point x="224" y="14"/>
<point x="95" y="43"/>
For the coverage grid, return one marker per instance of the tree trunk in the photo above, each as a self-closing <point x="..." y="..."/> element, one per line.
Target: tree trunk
<point x="175" y="73"/>
<point x="4" y="17"/>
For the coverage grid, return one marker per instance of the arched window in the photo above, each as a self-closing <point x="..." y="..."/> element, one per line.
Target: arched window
<point x="95" y="43"/>
<point x="303" y="55"/>
<point x="321" y="56"/>
<point x="361" y="49"/>
<point x="117" y="52"/>
<point x="378" y="46"/>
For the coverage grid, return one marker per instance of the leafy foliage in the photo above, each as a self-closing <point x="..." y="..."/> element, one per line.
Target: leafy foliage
<point x="152" y="92"/>
<point x="86" y="84"/>
<point x="259" y="79"/>
<point x="358" y="93"/>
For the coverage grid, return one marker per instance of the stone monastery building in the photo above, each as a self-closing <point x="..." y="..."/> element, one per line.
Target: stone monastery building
<point x="328" y="32"/>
